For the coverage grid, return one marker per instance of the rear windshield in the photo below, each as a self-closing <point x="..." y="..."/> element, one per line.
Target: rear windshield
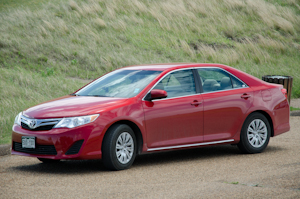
<point x="119" y="83"/>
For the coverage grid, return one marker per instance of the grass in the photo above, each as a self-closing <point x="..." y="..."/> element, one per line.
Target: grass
<point x="12" y="4"/>
<point x="26" y="89"/>
<point x="62" y="42"/>
<point x="294" y="109"/>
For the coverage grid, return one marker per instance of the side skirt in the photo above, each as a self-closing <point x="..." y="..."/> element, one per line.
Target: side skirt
<point x="189" y="145"/>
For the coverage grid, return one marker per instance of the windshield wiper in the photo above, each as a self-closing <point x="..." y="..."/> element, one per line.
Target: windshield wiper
<point x="73" y="94"/>
<point x="98" y="95"/>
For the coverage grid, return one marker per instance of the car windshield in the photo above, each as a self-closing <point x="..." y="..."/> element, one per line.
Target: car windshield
<point x="120" y="83"/>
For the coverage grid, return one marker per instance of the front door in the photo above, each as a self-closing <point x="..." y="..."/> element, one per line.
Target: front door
<point x="178" y="119"/>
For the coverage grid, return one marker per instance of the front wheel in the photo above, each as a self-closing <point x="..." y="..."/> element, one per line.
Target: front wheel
<point x="255" y="134"/>
<point x="119" y="147"/>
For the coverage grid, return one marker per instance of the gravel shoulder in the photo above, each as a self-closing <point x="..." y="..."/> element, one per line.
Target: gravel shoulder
<point x="295" y="103"/>
<point x="211" y="172"/>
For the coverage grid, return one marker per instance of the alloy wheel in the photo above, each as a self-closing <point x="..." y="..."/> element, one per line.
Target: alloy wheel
<point x="257" y="133"/>
<point x="124" y="147"/>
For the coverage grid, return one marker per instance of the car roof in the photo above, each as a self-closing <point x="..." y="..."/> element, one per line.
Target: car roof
<point x="247" y="78"/>
<point x="171" y="66"/>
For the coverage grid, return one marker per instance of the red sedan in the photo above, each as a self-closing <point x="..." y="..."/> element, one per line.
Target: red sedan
<point x="148" y="108"/>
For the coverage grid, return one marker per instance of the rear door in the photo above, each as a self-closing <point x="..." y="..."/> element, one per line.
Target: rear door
<point x="226" y="99"/>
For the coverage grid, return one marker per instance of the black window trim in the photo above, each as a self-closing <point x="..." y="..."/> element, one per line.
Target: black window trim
<point x="198" y="84"/>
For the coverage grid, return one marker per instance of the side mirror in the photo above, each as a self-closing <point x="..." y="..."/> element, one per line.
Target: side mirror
<point x="158" y="94"/>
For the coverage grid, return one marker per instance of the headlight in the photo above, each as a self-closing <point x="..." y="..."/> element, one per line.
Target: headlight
<point x="71" y="122"/>
<point x="18" y="119"/>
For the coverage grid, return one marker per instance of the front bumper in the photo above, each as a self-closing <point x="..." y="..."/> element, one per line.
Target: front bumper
<point x="83" y="142"/>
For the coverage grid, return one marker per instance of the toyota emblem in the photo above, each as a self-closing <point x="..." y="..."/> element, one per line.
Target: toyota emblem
<point x="32" y="124"/>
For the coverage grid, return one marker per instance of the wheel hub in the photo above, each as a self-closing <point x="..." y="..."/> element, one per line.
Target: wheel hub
<point x="124" y="147"/>
<point x="257" y="133"/>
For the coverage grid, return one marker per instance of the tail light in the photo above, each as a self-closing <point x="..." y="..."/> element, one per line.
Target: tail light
<point x="284" y="92"/>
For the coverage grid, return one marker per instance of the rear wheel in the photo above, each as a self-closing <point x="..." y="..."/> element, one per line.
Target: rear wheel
<point x="48" y="161"/>
<point x="119" y="147"/>
<point x="255" y="134"/>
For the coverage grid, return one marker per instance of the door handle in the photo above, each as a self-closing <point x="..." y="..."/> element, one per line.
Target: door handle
<point x="196" y="103"/>
<point x="245" y="96"/>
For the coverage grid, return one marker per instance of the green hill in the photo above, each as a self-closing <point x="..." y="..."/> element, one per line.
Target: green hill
<point x="49" y="50"/>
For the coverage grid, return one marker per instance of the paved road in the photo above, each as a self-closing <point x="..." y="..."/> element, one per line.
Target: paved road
<point x="213" y="172"/>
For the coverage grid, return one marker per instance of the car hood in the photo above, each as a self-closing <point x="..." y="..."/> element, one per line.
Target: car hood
<point x="70" y="106"/>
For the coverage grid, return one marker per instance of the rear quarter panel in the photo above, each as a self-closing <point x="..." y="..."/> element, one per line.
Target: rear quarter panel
<point x="269" y="99"/>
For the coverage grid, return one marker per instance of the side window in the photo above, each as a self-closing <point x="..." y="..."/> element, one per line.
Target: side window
<point x="214" y="79"/>
<point x="178" y="83"/>
<point x="237" y="83"/>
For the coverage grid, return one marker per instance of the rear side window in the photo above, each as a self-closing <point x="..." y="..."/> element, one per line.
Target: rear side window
<point x="214" y="79"/>
<point x="178" y="83"/>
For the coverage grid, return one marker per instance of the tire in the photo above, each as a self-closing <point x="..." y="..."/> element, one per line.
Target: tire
<point x="119" y="147"/>
<point x="255" y="134"/>
<point x="48" y="161"/>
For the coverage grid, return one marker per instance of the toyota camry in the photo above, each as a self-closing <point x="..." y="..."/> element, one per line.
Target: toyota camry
<point x="152" y="108"/>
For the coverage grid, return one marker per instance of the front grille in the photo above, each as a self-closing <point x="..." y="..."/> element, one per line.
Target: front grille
<point x="75" y="148"/>
<point x="38" y="124"/>
<point x="39" y="149"/>
<point x="40" y="128"/>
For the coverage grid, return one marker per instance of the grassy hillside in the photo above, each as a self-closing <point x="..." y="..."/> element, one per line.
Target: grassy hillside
<point x="50" y="51"/>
